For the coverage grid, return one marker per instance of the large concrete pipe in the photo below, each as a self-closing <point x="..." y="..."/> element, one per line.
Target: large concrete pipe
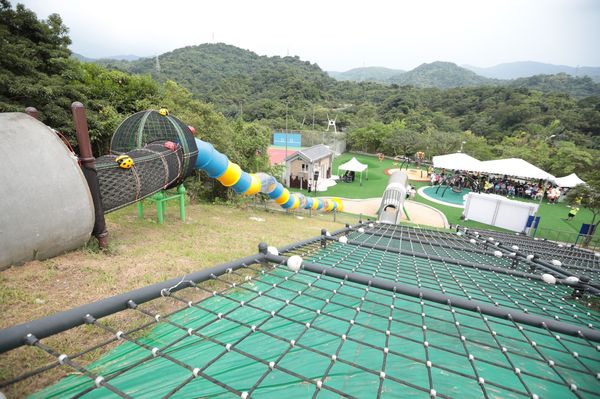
<point x="46" y="207"/>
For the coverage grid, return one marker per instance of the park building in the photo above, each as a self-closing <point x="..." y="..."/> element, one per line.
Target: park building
<point x="308" y="165"/>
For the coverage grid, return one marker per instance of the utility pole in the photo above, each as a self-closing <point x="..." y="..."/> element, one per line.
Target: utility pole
<point x="286" y="127"/>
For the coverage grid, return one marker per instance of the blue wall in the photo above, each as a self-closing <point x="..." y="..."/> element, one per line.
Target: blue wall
<point x="293" y="139"/>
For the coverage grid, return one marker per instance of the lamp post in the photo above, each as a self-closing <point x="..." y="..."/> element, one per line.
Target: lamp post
<point x="461" y="146"/>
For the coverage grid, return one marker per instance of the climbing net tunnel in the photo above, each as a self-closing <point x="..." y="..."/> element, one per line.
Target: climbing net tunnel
<point x="164" y="152"/>
<point x="375" y="310"/>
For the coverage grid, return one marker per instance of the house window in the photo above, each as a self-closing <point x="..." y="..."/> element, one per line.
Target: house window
<point x="304" y="167"/>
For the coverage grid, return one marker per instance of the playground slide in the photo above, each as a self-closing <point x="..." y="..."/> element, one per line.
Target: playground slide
<point x="51" y="205"/>
<point x="218" y="166"/>
<point x="392" y="202"/>
<point x="144" y="136"/>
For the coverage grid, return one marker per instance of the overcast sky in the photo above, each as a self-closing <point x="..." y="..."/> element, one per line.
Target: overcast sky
<point x="340" y="35"/>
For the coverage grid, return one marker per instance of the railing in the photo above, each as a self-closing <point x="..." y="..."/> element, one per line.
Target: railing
<point x="568" y="237"/>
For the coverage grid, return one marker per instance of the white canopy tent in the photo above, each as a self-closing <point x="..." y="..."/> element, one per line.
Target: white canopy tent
<point x="354" y="165"/>
<point x="571" y="180"/>
<point x="514" y="167"/>
<point x="456" y="161"/>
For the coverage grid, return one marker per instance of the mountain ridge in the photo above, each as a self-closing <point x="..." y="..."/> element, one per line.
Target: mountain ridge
<point x="366" y="74"/>
<point x="524" y="69"/>
<point x="209" y="70"/>
<point x="120" y="57"/>
<point x="440" y="74"/>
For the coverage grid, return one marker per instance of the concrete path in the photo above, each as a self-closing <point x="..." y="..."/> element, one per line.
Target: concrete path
<point x="419" y="213"/>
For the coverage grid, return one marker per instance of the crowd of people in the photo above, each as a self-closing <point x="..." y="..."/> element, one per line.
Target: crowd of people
<point x="501" y="185"/>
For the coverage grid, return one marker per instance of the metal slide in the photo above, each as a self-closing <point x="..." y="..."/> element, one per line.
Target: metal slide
<point x="392" y="202"/>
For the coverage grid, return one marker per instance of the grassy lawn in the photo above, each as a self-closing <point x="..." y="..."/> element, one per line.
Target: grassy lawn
<point x="552" y="223"/>
<point x="141" y="253"/>
<point x="371" y="188"/>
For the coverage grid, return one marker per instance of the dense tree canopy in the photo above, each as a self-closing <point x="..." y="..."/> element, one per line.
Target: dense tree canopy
<point x="235" y="97"/>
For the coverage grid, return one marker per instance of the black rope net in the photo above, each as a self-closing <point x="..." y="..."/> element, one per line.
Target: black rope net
<point x="578" y="260"/>
<point x="147" y="127"/>
<point x="155" y="168"/>
<point x="353" y="322"/>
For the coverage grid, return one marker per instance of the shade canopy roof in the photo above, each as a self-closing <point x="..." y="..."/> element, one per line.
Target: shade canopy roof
<point x="571" y="180"/>
<point x="353" y="165"/>
<point x="514" y="167"/>
<point x="456" y="161"/>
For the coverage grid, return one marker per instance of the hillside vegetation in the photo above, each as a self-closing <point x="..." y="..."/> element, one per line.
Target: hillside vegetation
<point x="235" y="97"/>
<point x="524" y="69"/>
<point x="439" y="74"/>
<point x="366" y="74"/>
<point x="446" y="75"/>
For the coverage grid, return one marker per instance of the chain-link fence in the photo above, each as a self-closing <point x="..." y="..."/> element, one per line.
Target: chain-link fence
<point x="336" y="141"/>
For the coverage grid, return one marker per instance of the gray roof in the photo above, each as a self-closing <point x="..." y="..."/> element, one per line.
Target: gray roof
<point x="313" y="153"/>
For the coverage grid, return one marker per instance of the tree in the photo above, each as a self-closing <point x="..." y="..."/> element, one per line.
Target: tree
<point x="402" y="142"/>
<point x="589" y="197"/>
<point x="570" y="158"/>
<point x="477" y="146"/>
<point x="526" y="146"/>
<point x="369" y="138"/>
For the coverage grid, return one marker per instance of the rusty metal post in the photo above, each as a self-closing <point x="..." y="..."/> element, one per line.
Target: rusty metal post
<point x="31" y="111"/>
<point x="88" y="166"/>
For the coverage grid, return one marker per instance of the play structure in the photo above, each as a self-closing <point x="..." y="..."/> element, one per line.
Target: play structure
<point x="58" y="198"/>
<point x="371" y="310"/>
<point x="457" y="183"/>
<point x="392" y="202"/>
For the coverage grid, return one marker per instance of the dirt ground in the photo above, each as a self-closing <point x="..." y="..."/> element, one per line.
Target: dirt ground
<point x="413" y="174"/>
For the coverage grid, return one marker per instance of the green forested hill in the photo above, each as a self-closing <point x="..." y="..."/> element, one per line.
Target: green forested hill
<point x="239" y="81"/>
<point x="523" y="69"/>
<point x="553" y="130"/>
<point x="230" y="77"/>
<point x="439" y="74"/>
<point x="366" y="74"/>
<point x="578" y="87"/>
<point x="446" y="75"/>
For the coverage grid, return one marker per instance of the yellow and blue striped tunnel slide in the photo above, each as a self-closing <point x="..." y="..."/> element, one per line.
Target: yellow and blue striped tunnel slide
<point x="218" y="166"/>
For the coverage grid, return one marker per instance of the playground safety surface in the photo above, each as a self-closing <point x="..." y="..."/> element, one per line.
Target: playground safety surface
<point x="394" y="312"/>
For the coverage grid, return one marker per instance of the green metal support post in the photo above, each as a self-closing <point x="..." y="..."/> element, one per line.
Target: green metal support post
<point x="161" y="198"/>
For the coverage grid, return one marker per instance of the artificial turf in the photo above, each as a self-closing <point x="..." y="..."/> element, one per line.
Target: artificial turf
<point x="552" y="223"/>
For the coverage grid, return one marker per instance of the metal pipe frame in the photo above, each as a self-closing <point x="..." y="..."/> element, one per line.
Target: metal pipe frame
<point x="583" y="285"/>
<point x="434" y="296"/>
<point x="88" y="167"/>
<point x="408" y="238"/>
<point x="13" y="337"/>
<point x="593" y="288"/>
<point x="496" y="269"/>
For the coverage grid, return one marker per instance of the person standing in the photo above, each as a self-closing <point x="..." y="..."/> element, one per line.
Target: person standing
<point x="572" y="213"/>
